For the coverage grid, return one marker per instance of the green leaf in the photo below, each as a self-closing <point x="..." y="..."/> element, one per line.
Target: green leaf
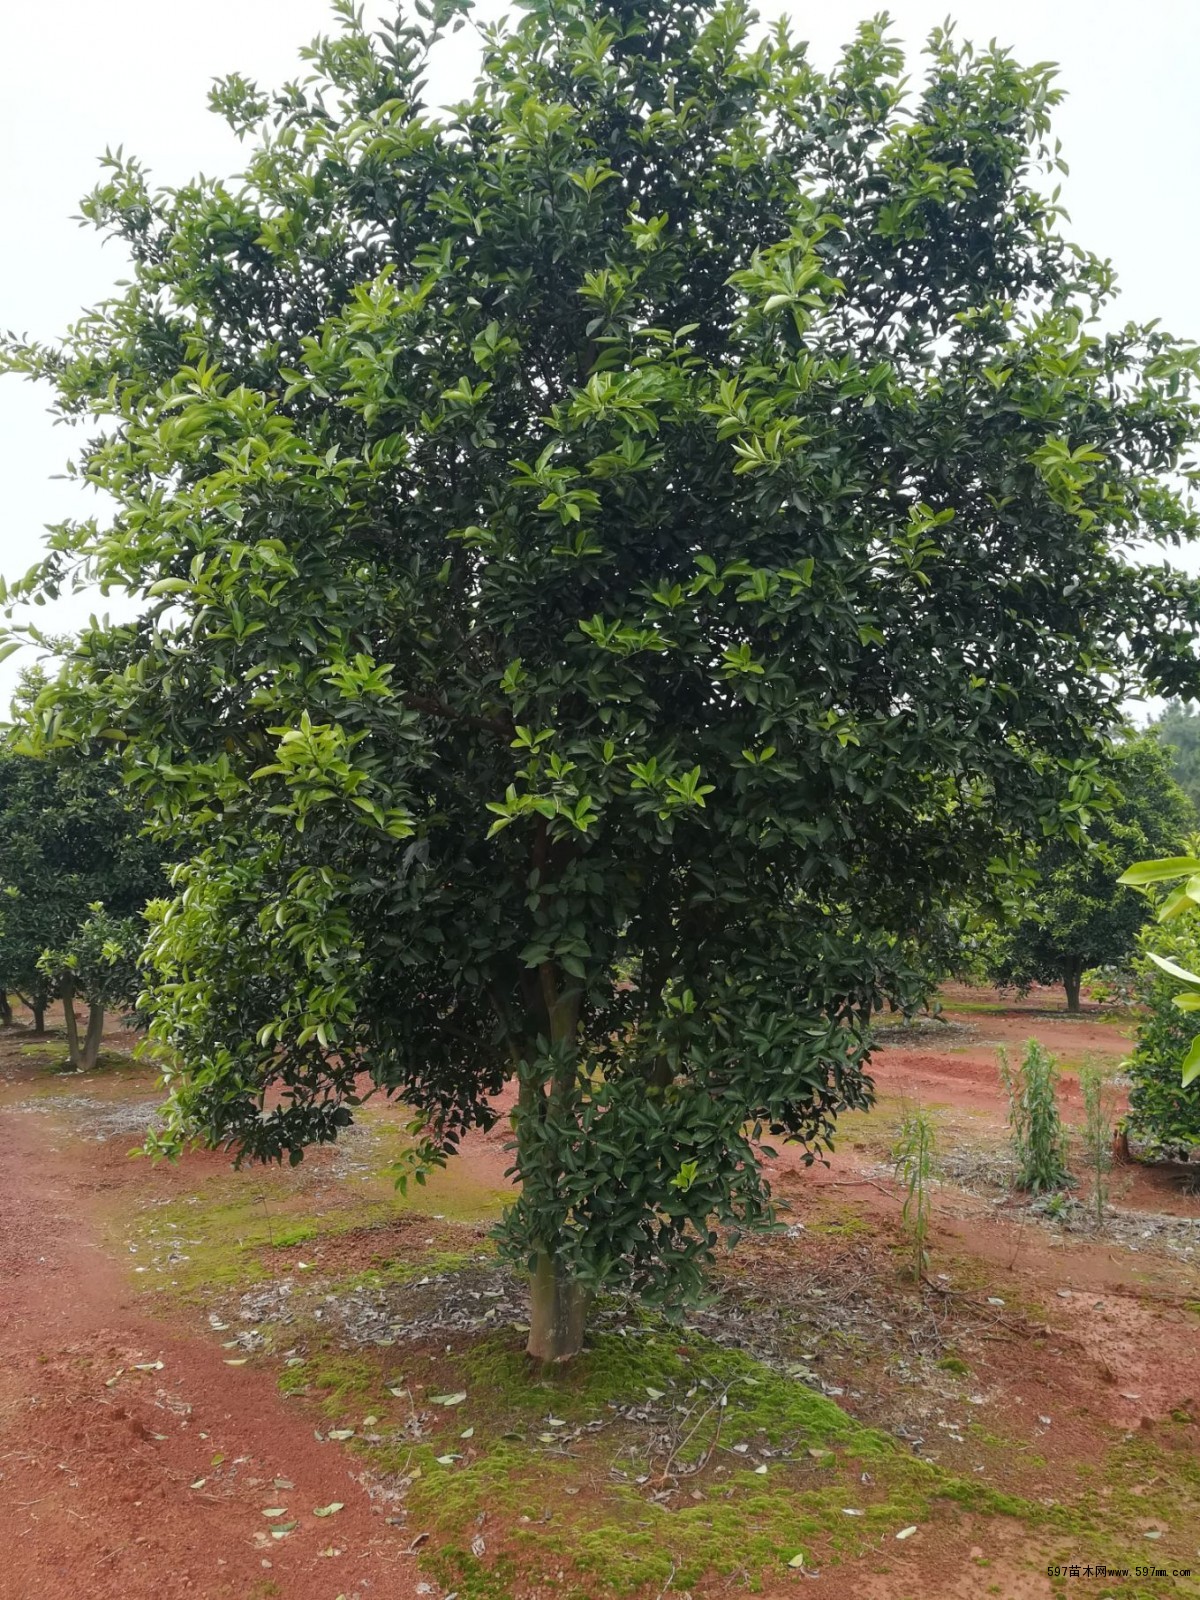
<point x="1173" y="969"/>
<point x="1175" y="904"/>
<point x="1146" y="872"/>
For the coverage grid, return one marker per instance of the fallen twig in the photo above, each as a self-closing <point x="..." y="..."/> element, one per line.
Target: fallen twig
<point x="717" y="1405"/>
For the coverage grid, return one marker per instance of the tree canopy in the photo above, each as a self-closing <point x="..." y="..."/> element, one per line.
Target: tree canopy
<point x="71" y="852"/>
<point x="614" y="556"/>
<point x="1079" y="916"/>
<point x="1178" y="726"/>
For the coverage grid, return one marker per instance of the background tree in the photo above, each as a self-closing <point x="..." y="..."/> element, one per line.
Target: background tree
<point x="1079" y="916"/>
<point x="1178" y="726"/>
<point x="664" y="516"/>
<point x="69" y="841"/>
<point x="99" y="964"/>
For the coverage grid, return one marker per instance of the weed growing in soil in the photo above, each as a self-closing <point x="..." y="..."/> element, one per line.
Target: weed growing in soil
<point x="1038" y="1137"/>
<point x="913" y="1154"/>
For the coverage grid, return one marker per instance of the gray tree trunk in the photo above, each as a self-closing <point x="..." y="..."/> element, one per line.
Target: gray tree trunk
<point x="72" y="1027"/>
<point x="92" y="1038"/>
<point x="558" y="1312"/>
<point x="1072" y="979"/>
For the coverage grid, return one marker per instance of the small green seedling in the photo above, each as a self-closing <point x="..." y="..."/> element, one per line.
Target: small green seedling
<point x="1099" y="1108"/>
<point x="1038" y="1137"/>
<point x="913" y="1154"/>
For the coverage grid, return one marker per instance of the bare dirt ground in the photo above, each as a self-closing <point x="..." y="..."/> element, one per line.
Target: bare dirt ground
<point x="176" y="1343"/>
<point x="135" y="1461"/>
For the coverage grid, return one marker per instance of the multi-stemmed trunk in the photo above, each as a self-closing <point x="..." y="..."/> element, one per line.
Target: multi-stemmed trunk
<point x="83" y="1055"/>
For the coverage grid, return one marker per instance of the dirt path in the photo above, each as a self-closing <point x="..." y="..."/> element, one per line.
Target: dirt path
<point x="125" y="1484"/>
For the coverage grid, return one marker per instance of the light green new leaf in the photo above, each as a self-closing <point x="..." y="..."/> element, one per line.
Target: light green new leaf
<point x="1173" y="970"/>
<point x="1162" y="871"/>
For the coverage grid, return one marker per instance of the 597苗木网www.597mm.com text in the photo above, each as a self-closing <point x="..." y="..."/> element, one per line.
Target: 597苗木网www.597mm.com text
<point x="1088" y="1570"/>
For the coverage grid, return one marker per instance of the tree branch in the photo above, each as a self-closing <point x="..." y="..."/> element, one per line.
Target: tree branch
<point x="438" y="708"/>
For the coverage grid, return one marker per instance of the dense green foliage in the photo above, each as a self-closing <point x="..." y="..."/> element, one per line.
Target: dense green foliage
<point x="664" y="517"/>
<point x="1178" y="726"/>
<point x="1163" y="1113"/>
<point x="1079" y="916"/>
<point x="70" y="842"/>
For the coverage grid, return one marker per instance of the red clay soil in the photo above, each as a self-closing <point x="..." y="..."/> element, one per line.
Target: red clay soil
<point x="1119" y="1345"/>
<point x="108" y="1489"/>
<point x="1122" y="1339"/>
<point x="966" y="1078"/>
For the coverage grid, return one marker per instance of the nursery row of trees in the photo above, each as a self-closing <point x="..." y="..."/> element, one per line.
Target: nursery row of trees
<point x="76" y="873"/>
<point x="620" y="561"/>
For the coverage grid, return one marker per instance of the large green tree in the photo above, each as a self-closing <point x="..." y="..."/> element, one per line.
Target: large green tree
<point x="614" y="556"/>
<point x="1079" y="916"/>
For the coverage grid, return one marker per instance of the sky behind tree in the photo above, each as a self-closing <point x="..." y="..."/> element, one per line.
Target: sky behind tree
<point x="81" y="77"/>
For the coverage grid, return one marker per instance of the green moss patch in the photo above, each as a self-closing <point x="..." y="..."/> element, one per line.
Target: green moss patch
<point x="839" y="1222"/>
<point x="648" y="1455"/>
<point x="656" y="1454"/>
<point x="236" y="1230"/>
<point x="223" y="1239"/>
<point x="954" y="1364"/>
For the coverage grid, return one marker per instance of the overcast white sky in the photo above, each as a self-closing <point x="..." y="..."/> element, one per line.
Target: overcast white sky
<point x="78" y="75"/>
